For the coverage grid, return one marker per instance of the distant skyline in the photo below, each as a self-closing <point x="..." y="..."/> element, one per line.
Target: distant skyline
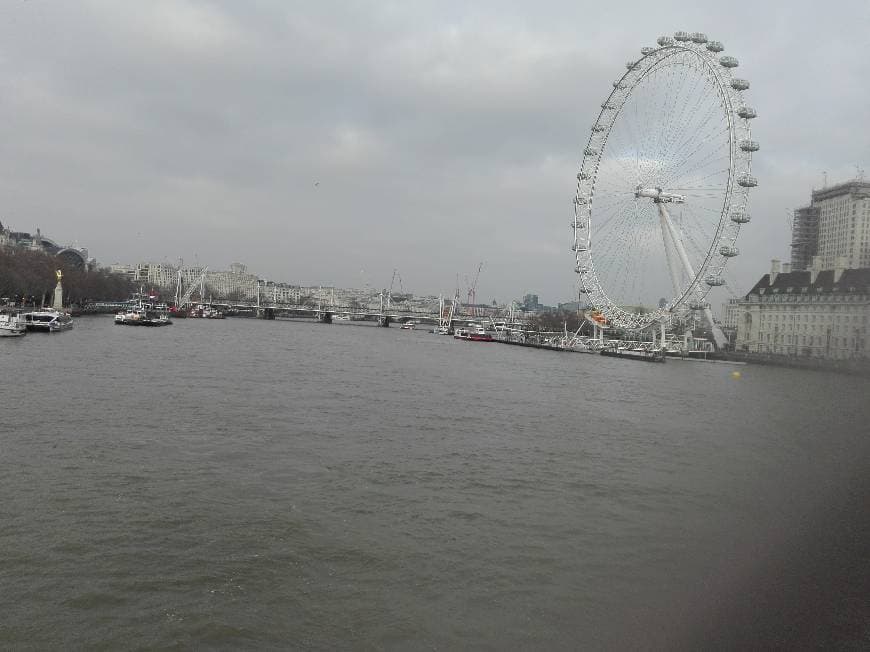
<point x="332" y="142"/>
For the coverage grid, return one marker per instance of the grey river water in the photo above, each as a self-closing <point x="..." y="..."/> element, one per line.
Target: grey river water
<point x="245" y="484"/>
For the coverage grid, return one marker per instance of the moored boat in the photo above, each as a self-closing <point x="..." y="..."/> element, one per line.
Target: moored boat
<point x="47" y="321"/>
<point x="138" y="317"/>
<point x="473" y="333"/>
<point x="12" y="325"/>
<point x="142" y="314"/>
<point x="644" y="352"/>
<point x="205" y="311"/>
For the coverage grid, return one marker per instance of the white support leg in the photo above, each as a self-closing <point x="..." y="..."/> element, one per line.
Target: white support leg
<point x="687" y="266"/>
<point x="669" y="245"/>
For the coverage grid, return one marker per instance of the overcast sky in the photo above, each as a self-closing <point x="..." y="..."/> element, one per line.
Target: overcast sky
<point x="330" y="142"/>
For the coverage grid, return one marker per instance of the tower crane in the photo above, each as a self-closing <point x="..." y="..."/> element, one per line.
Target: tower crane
<point x="472" y="289"/>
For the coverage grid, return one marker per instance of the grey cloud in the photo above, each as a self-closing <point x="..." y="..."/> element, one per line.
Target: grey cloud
<point x="440" y="135"/>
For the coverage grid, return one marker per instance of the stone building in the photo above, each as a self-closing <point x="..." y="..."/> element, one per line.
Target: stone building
<point x="816" y="312"/>
<point x="731" y="312"/>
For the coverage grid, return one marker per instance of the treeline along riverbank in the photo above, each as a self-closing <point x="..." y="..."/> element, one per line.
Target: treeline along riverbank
<point x="29" y="277"/>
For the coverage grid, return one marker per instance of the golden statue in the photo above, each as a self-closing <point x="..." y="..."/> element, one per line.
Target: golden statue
<point x="59" y="275"/>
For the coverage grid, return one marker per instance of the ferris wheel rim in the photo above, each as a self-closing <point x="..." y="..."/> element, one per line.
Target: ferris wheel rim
<point x="708" y="273"/>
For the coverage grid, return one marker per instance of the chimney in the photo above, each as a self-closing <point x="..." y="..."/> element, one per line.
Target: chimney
<point x="774" y="270"/>
<point x="815" y="268"/>
<point x="786" y="268"/>
<point x="839" y="267"/>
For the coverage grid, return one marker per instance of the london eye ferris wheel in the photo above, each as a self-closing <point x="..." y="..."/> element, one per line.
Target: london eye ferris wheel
<point x="663" y="188"/>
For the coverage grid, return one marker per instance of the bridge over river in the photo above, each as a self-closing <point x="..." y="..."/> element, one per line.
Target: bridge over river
<point x="384" y="316"/>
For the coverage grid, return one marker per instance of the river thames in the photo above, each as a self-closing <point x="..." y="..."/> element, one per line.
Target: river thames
<point x="247" y="484"/>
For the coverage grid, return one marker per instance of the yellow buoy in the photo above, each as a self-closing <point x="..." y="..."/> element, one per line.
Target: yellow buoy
<point x="735" y="375"/>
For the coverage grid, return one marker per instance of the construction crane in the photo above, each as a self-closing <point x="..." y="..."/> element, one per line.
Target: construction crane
<point x="387" y="295"/>
<point x="446" y="325"/>
<point x="472" y="289"/>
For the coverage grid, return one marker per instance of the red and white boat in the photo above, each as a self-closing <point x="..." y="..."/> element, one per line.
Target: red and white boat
<point x="473" y="333"/>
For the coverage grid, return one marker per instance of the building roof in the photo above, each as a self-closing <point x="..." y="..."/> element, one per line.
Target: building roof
<point x="851" y="280"/>
<point x="861" y="189"/>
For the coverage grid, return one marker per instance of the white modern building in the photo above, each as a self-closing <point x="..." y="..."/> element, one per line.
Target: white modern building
<point x="236" y="283"/>
<point x="844" y="224"/>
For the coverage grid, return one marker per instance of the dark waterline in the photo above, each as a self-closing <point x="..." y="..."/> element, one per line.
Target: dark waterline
<point x="250" y="484"/>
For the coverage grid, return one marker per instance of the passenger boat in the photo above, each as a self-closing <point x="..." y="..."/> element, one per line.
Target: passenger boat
<point x="473" y="333"/>
<point x="12" y="325"/>
<point x="141" y="317"/>
<point x="408" y="325"/>
<point x="142" y="314"/>
<point x="633" y="351"/>
<point x="47" y="321"/>
<point x="206" y="312"/>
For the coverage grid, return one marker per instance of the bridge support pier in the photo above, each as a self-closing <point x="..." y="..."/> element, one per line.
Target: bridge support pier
<point x="324" y="317"/>
<point x="384" y="320"/>
<point x="265" y="313"/>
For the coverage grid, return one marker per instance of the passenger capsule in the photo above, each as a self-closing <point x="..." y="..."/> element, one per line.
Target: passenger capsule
<point x="715" y="46"/>
<point x="580" y="201"/>
<point x="698" y="37"/>
<point x="580" y="269"/>
<point x="749" y="145"/>
<point x="714" y="280"/>
<point x="579" y="246"/>
<point x="695" y="304"/>
<point x="619" y="85"/>
<point x="608" y="106"/>
<point x="739" y="84"/>
<point x="728" y="61"/>
<point x="740" y="217"/>
<point x="647" y="50"/>
<point x="665" y="41"/>
<point x="682" y="36"/>
<point x="747" y="112"/>
<point x="747" y="181"/>
<point x="599" y="128"/>
<point x="582" y="176"/>
<point x="630" y="64"/>
<point x="590" y="151"/>
<point x="578" y="224"/>
<point x="728" y="251"/>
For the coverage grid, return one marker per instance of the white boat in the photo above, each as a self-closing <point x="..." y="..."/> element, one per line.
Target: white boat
<point x="202" y="311"/>
<point x="473" y="333"/>
<point x="47" y="321"/>
<point x="408" y="325"/>
<point x="146" y="313"/>
<point x="12" y="325"/>
<point x="141" y="316"/>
